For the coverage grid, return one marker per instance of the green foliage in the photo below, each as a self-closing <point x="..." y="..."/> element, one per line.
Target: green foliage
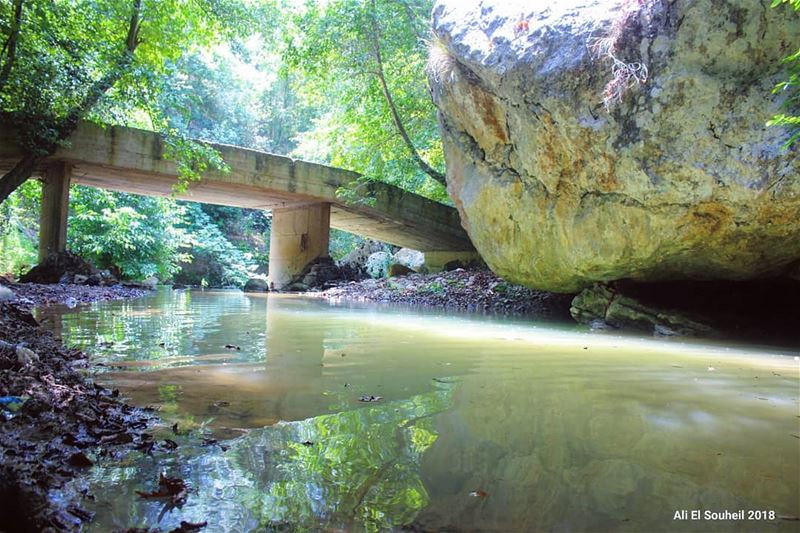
<point x="232" y="95"/>
<point x="107" y="60"/>
<point x="791" y="87"/>
<point x="19" y="229"/>
<point x="330" y="48"/>
<point x="137" y="234"/>
<point x="342" y="243"/>
<point x="215" y="261"/>
<point x="434" y="287"/>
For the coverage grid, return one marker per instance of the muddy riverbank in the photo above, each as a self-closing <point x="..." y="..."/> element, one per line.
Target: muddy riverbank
<point x="55" y="422"/>
<point x="33" y="294"/>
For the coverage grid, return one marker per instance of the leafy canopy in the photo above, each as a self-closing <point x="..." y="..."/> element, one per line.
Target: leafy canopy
<point x="331" y="49"/>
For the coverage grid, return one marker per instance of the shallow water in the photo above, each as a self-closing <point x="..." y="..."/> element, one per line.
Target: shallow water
<point x="484" y="424"/>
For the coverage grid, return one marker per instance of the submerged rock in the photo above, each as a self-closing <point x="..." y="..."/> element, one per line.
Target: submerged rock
<point x="597" y="140"/>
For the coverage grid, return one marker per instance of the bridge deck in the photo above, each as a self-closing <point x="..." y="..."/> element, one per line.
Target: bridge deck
<point x="132" y="160"/>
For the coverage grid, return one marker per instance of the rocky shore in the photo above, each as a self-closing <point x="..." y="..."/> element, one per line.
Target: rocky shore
<point x="458" y="290"/>
<point x="54" y="421"/>
<point x="33" y="294"/>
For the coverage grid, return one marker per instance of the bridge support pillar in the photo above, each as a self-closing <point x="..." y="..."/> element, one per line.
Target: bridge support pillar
<point x="54" y="209"/>
<point x="299" y="235"/>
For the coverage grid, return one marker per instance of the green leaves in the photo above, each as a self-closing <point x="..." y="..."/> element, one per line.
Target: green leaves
<point x="138" y="234"/>
<point x="791" y="87"/>
<point x="330" y="48"/>
<point x="794" y="3"/>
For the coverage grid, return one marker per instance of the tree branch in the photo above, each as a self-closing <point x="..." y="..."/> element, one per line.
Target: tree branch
<point x="426" y="168"/>
<point x="65" y="127"/>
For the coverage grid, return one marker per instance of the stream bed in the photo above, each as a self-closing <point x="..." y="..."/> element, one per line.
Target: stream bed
<point x="358" y="417"/>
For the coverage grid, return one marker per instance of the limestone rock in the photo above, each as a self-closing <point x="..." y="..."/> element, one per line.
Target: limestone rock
<point x="409" y="258"/>
<point x="6" y="294"/>
<point x="377" y="264"/>
<point x="601" y="303"/>
<point x="677" y="179"/>
<point x="355" y="262"/>
<point x="256" y="285"/>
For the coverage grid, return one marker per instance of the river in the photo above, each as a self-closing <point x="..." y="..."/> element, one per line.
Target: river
<point x="365" y="417"/>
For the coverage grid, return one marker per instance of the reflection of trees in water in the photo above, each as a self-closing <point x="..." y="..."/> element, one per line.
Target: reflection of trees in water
<point x="358" y="467"/>
<point x="169" y="323"/>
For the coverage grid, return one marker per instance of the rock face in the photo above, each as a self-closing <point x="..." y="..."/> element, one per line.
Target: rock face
<point x="601" y="303"/>
<point x="677" y="177"/>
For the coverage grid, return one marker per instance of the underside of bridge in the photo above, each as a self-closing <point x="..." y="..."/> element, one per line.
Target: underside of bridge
<point x="302" y="196"/>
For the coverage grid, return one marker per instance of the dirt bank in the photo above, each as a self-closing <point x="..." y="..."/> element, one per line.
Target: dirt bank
<point x="32" y="294"/>
<point x="54" y="422"/>
<point x="463" y="290"/>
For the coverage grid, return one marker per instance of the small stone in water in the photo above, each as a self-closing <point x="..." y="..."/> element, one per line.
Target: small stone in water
<point x="370" y="398"/>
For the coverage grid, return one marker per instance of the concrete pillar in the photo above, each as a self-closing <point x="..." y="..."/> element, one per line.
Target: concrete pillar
<point x="299" y="235"/>
<point x="55" y="205"/>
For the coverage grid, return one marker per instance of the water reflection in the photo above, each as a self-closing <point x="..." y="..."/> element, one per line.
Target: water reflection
<point x="357" y="467"/>
<point x="561" y="430"/>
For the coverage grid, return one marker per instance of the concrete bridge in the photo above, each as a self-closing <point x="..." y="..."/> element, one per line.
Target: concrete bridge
<point x="301" y="195"/>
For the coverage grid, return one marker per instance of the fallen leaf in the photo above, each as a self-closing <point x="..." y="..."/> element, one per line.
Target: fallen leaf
<point x="80" y="460"/>
<point x="189" y="527"/>
<point x="172" y="488"/>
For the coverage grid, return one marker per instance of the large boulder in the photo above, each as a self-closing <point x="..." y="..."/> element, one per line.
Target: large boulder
<point x="411" y="259"/>
<point x="256" y="285"/>
<point x="673" y="176"/>
<point x="355" y="262"/>
<point x="377" y="265"/>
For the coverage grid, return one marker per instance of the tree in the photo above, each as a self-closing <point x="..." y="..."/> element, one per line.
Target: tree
<point x="63" y="58"/>
<point x="363" y="61"/>
<point x="139" y="235"/>
<point x="790" y="86"/>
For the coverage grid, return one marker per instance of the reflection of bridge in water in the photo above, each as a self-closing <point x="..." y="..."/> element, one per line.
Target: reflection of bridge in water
<point x="301" y="195"/>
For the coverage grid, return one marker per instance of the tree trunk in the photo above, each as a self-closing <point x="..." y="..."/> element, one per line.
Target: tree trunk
<point x="18" y="175"/>
<point x="10" y="47"/>
<point x="64" y="128"/>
